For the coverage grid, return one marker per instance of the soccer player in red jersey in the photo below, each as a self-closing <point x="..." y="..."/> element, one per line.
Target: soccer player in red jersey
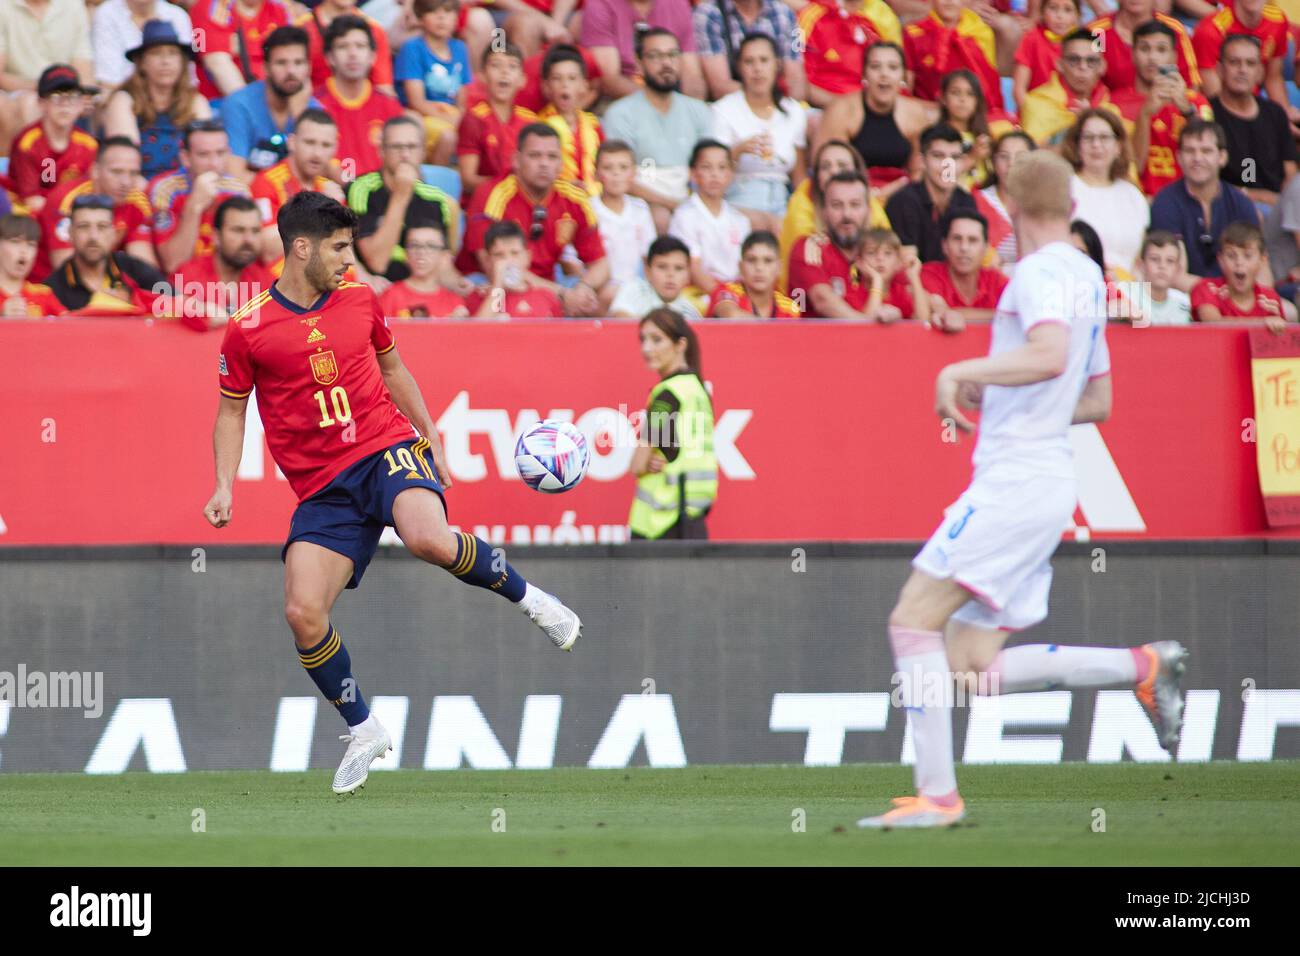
<point x="19" y="298"/>
<point x="485" y="142"/>
<point x="233" y="30"/>
<point x="512" y="292"/>
<point x="114" y="173"/>
<point x="755" y="295"/>
<point x="312" y="145"/>
<point x="1239" y="294"/>
<point x="960" y="286"/>
<point x="346" y="424"/>
<point x="231" y="274"/>
<point x="53" y="143"/>
<point x="358" y="107"/>
<point x="421" y="294"/>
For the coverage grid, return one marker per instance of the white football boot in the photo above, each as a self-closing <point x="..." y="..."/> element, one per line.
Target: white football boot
<point x="560" y="624"/>
<point x="1160" y="694"/>
<point x="364" y="747"/>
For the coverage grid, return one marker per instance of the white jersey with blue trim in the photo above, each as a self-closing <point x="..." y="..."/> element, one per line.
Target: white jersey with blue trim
<point x="1026" y="427"/>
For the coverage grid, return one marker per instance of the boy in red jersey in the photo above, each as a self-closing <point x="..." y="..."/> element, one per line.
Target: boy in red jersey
<point x="1238" y="294"/>
<point x="754" y="295"/>
<point x="513" y="292"/>
<point x="421" y="294"/>
<point x="20" y="299"/>
<point x="52" y="150"/>
<point x="341" y="413"/>
<point x="485" y="144"/>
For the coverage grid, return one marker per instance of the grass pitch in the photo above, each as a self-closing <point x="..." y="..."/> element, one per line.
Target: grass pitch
<point x="1191" y="814"/>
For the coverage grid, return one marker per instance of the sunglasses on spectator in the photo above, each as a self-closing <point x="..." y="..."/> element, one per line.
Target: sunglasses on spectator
<point x="1075" y="60"/>
<point x="539" y="223"/>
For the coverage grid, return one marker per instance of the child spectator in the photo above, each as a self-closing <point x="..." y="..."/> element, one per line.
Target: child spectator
<point x="962" y="106"/>
<point x="626" y="225"/>
<point x="711" y="227"/>
<point x="1163" y="264"/>
<point x="755" y="295"/>
<point x="960" y="287"/>
<point x="1040" y="47"/>
<point x="52" y="149"/>
<point x="512" y="291"/>
<point x="433" y="67"/>
<point x="1237" y="294"/>
<point x="565" y="83"/>
<point x="485" y="145"/>
<point x="21" y="299"/>
<point x="421" y="294"/>
<point x="668" y="273"/>
<point x="896" y="291"/>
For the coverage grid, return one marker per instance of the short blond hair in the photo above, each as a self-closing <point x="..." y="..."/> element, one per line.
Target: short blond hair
<point x="1039" y="183"/>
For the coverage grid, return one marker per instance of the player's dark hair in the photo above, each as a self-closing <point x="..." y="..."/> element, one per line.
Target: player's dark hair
<point x="232" y="204"/>
<point x="939" y="133"/>
<point x="506" y="49"/>
<point x="666" y="245"/>
<point x="760" y="237"/>
<point x="674" y="325"/>
<point x="116" y="142"/>
<point x="756" y="37"/>
<point x="285" y="36"/>
<point x="1077" y="34"/>
<point x="1091" y="242"/>
<point x="534" y="129"/>
<point x="1241" y="234"/>
<point x="14" y="226"/>
<point x="882" y="45"/>
<point x="1200" y="127"/>
<point x="1155" y="28"/>
<point x="344" y="25"/>
<point x="504" y="229"/>
<point x="314" y="114"/>
<point x="649" y="33"/>
<point x="953" y="215"/>
<point x="704" y="144"/>
<point x="562" y="53"/>
<point x="315" y="216"/>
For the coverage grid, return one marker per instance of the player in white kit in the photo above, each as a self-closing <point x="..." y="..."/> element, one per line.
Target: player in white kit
<point x="987" y="570"/>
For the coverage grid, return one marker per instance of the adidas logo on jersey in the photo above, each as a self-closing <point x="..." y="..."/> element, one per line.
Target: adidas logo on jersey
<point x="316" y="336"/>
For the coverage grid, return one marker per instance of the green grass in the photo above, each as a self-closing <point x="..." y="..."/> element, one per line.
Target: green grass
<point x="1193" y="814"/>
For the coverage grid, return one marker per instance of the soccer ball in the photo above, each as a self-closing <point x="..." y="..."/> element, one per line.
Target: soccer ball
<point x="552" y="456"/>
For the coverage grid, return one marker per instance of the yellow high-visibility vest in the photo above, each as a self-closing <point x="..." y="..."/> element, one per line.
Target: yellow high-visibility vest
<point x="688" y="485"/>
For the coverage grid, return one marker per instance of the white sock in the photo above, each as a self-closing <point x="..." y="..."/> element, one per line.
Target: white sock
<point x="922" y="666"/>
<point x="1035" y="667"/>
<point x="530" y="598"/>
<point x="370" y="727"/>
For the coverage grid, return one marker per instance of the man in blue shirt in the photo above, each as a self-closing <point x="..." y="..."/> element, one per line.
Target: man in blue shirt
<point x="260" y="117"/>
<point x="1200" y="206"/>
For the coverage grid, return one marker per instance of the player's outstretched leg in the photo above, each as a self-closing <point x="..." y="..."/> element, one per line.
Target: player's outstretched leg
<point x="1154" y="671"/>
<point x="923" y="676"/>
<point x="313" y="578"/>
<point x="421" y="522"/>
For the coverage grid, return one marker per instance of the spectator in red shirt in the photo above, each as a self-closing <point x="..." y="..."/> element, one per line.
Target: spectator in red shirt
<point x="952" y="37"/>
<point x="114" y="173"/>
<point x="754" y="295"/>
<point x="1117" y="35"/>
<point x="894" y="279"/>
<point x="232" y="31"/>
<point x="312" y="146"/>
<point x="835" y="36"/>
<point x="556" y="213"/>
<point x="317" y="23"/>
<point x="22" y="299"/>
<point x="52" y="149"/>
<point x="1040" y="48"/>
<point x="960" y="286"/>
<point x="357" y="105"/>
<point x="485" y="142"/>
<point x="420" y="294"/>
<point x="228" y="276"/>
<point x="824" y="267"/>
<point x="1238" y="294"/>
<point x="513" y="290"/>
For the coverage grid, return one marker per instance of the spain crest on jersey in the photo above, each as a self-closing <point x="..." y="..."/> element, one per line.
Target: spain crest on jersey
<point x="323" y="368"/>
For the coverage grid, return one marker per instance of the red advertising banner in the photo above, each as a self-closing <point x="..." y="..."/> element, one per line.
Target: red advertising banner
<point x="825" y="431"/>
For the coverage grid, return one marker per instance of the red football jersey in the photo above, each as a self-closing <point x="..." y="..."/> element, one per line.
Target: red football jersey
<point x="569" y="219"/>
<point x="899" y="294"/>
<point x="783" y="307"/>
<point x="936" y="278"/>
<point x="1162" y="138"/>
<point x="32" y="153"/>
<point x="320" y="391"/>
<point x="835" y="42"/>
<point x="815" y="260"/>
<point x="225" y="29"/>
<point x="1039" y="50"/>
<point x="482" y="134"/>
<point x="381" y="73"/>
<point x="133" y="220"/>
<point x="530" y="97"/>
<point x="168" y="193"/>
<point x="274" y="187"/>
<point x="39" y="299"/>
<point x="360" y="122"/>
<point x="1120" y="71"/>
<point x="934" y="50"/>
<point x="400" y="301"/>
<point x="529" y="304"/>
<point x="198" y="280"/>
<point x="1271" y="31"/>
<point x="1215" y="292"/>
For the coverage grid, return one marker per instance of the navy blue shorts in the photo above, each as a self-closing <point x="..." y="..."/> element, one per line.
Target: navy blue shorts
<point x="350" y="513"/>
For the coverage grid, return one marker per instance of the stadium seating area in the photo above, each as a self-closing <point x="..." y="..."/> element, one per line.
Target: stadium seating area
<point x="151" y="144"/>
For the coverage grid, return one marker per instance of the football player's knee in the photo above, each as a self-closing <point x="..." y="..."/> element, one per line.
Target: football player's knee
<point x="307" y="620"/>
<point x="436" y="547"/>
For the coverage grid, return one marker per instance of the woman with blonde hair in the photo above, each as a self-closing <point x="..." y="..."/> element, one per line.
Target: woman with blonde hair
<point x="158" y="100"/>
<point x="1102" y="187"/>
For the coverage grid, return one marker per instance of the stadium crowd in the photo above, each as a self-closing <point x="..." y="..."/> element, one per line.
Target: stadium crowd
<point x="731" y="159"/>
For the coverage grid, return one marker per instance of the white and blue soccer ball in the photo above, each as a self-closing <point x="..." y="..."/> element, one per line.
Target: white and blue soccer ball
<point x="552" y="456"/>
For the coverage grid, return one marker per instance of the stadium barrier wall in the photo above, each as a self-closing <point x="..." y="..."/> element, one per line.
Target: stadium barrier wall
<point x="694" y="654"/>
<point x="825" y="431"/>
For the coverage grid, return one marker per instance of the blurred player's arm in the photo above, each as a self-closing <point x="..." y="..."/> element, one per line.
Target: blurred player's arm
<point x="1044" y="355"/>
<point x="228" y="446"/>
<point x="1096" y="401"/>
<point x="406" y="396"/>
